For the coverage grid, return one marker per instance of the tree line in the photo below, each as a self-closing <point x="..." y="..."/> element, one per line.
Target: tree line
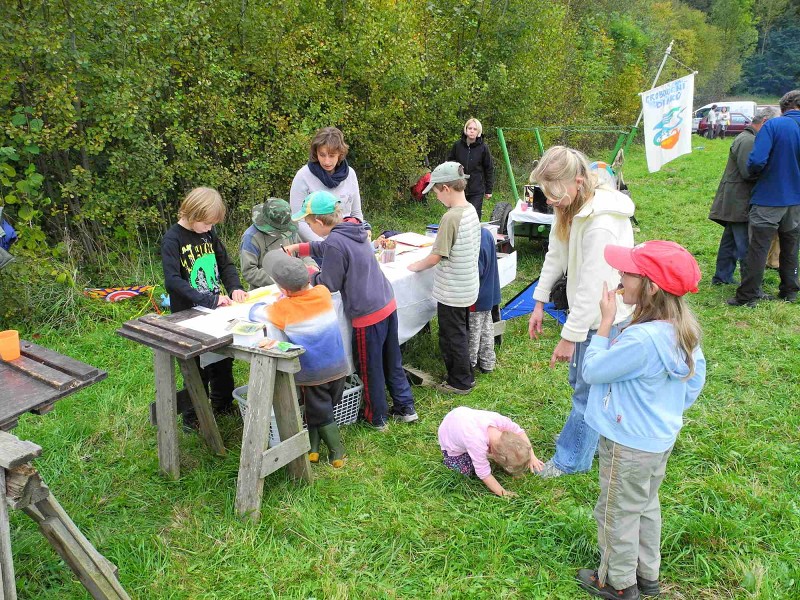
<point x="111" y="110"/>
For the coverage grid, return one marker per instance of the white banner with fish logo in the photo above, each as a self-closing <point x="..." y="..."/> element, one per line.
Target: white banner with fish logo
<point x="668" y="121"/>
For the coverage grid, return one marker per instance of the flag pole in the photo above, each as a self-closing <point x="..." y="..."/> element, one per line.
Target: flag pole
<point x="660" y="68"/>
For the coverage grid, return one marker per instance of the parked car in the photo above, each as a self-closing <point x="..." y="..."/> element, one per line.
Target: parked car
<point x="738" y="123"/>
<point x="747" y="108"/>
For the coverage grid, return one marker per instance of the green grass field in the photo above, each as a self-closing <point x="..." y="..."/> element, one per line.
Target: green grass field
<point x="394" y="523"/>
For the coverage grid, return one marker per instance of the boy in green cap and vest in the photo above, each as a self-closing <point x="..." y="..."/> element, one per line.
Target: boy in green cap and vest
<point x="272" y="228"/>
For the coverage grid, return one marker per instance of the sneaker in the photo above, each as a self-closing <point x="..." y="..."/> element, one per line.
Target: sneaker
<point x="550" y="471"/>
<point x="790" y="297"/>
<point x="446" y="388"/>
<point x="382" y="427"/>
<point x="648" y="587"/>
<point x="589" y="581"/>
<point x="408" y="417"/>
<point x="736" y="302"/>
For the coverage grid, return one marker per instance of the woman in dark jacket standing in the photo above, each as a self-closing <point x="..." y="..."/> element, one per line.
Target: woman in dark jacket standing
<point x="474" y="156"/>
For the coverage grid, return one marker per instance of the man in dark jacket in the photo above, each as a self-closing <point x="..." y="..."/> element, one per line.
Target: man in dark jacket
<point x="474" y="156"/>
<point x="775" y="203"/>
<point x="732" y="201"/>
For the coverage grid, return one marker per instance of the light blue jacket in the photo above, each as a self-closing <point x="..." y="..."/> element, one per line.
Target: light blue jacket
<point x="638" y="388"/>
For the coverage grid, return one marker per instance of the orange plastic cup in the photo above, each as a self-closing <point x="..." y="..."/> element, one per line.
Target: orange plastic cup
<point x="9" y="344"/>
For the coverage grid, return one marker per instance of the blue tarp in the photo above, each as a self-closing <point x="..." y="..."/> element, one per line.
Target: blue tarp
<point x="523" y="303"/>
<point x="7" y="235"/>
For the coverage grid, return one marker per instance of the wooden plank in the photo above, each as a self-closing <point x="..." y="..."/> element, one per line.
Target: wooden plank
<point x="22" y="393"/>
<point x="250" y="482"/>
<point x="58" y="361"/>
<point x="163" y="334"/>
<point x="7" y="585"/>
<point x="287" y="365"/>
<point x="44" y="408"/>
<point x="202" y="407"/>
<point x="91" y="567"/>
<point x="24" y="486"/>
<point x="178" y="317"/>
<point x="55" y="379"/>
<point x="285" y="452"/>
<point x="419" y="377"/>
<point x="499" y="327"/>
<point x="172" y="349"/>
<point x="163" y="323"/>
<point x="14" y="451"/>
<point x="166" y="408"/>
<point x="290" y="422"/>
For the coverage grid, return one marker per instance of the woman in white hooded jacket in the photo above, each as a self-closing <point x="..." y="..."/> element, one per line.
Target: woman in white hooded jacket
<point x="588" y="217"/>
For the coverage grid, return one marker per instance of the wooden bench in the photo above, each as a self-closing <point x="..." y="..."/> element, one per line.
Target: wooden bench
<point x="34" y="382"/>
<point x="271" y="386"/>
<point x="21" y="487"/>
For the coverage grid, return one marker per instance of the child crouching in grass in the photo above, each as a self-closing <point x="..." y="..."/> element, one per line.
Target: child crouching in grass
<point x="470" y="438"/>
<point x="641" y="383"/>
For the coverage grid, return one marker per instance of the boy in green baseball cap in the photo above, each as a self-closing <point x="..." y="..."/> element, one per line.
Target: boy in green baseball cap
<point x="272" y="228"/>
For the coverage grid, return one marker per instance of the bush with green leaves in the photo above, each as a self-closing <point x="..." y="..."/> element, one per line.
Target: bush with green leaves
<point x="112" y="111"/>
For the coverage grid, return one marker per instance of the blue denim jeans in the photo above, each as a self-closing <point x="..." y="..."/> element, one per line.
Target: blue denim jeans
<point x="577" y="441"/>
<point x="732" y="249"/>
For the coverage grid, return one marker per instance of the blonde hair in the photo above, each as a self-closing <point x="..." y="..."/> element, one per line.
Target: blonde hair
<point x="663" y="306"/>
<point x="477" y="124"/>
<point x="457" y="185"/>
<point x="558" y="167"/>
<point x="329" y="219"/>
<point x="202" y="204"/>
<point x="333" y="139"/>
<point x="512" y="453"/>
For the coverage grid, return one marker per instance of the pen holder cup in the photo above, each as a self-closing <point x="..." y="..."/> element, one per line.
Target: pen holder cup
<point x="9" y="344"/>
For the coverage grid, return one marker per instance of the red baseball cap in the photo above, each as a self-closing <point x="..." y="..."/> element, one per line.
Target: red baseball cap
<point x="667" y="264"/>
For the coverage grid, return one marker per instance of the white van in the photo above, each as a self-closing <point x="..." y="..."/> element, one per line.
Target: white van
<point x="746" y="108"/>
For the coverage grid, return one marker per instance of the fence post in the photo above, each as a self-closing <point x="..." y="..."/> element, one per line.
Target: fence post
<point x="507" y="160"/>
<point x="538" y="140"/>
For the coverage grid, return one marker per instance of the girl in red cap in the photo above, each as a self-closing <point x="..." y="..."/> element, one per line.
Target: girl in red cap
<point x="641" y="383"/>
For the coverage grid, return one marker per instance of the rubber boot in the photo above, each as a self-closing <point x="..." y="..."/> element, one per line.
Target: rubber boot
<point x="313" y="437"/>
<point x="333" y="440"/>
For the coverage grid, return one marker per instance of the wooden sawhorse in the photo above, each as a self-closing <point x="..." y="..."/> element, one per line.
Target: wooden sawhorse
<point x="271" y="386"/>
<point x="21" y="487"/>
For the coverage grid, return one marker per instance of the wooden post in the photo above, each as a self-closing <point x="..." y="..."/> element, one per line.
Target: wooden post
<point x="290" y="423"/>
<point x="7" y="582"/>
<point x="205" y="415"/>
<point x="166" y="409"/>
<point x="250" y="483"/>
<point x="93" y="570"/>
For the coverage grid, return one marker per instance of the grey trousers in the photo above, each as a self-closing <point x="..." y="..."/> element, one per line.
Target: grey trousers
<point x="628" y="513"/>
<point x="481" y="340"/>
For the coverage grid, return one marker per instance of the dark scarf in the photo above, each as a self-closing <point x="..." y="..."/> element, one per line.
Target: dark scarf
<point x="340" y="173"/>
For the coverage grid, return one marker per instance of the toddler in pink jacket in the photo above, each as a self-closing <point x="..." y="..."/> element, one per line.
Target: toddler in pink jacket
<point x="471" y="438"/>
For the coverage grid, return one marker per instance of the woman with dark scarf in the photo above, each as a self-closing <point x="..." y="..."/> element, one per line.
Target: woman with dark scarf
<point x="474" y="156"/>
<point x="326" y="170"/>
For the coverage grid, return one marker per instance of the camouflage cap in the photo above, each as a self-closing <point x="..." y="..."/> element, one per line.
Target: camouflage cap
<point x="273" y="215"/>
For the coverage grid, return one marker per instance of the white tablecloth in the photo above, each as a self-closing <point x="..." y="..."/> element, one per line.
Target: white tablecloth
<point x="413" y="291"/>
<point x="413" y="294"/>
<point x="525" y="216"/>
